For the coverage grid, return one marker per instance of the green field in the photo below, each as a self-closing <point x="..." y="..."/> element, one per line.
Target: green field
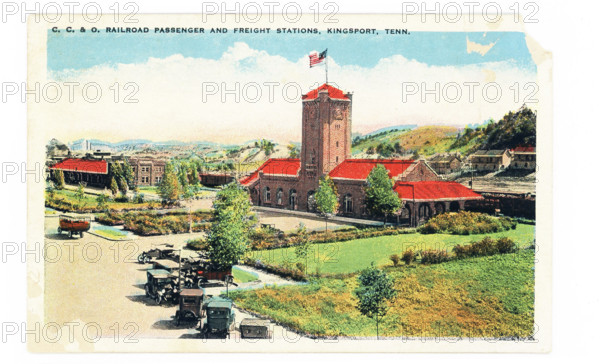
<point x="354" y="255"/>
<point x="242" y="276"/>
<point x="476" y="297"/>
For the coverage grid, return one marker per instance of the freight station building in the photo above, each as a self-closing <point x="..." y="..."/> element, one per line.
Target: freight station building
<point x="290" y="183"/>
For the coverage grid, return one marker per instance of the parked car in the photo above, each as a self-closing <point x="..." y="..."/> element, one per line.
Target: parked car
<point x="220" y="318"/>
<point x="254" y="329"/>
<point x="157" y="253"/>
<point x="162" y="286"/>
<point x="73" y="225"/>
<point x="190" y="306"/>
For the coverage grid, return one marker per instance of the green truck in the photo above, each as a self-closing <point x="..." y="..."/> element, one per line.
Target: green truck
<point x="220" y="318"/>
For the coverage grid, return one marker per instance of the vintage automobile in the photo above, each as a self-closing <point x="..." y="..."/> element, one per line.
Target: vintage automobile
<point x="73" y="225"/>
<point x="157" y="253"/>
<point x="254" y="329"/>
<point x="162" y="286"/>
<point x="220" y="318"/>
<point x="190" y="306"/>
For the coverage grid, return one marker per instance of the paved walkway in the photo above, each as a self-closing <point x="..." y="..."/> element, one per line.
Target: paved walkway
<point x="313" y="216"/>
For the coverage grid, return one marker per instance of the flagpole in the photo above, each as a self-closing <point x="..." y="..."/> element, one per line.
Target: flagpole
<point x="326" y="68"/>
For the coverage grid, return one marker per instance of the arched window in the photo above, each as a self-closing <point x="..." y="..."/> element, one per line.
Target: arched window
<point x="267" y="194"/>
<point x="279" y="196"/>
<point x="311" y="202"/>
<point x="293" y="204"/>
<point x="348" y="203"/>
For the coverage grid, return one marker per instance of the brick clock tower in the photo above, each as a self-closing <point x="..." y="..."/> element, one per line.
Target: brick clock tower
<point x="326" y="134"/>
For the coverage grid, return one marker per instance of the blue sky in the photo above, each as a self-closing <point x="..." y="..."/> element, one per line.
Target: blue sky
<point x="84" y="50"/>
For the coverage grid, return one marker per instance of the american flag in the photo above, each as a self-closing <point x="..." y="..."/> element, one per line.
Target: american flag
<point x="316" y="58"/>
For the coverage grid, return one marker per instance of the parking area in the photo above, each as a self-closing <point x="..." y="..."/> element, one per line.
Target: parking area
<point x="98" y="281"/>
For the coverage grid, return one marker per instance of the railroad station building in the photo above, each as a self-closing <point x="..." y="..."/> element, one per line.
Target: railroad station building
<point x="290" y="183"/>
<point x="91" y="172"/>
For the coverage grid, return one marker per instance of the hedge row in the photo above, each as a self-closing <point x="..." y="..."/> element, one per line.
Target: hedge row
<point x="285" y="272"/>
<point x="485" y="247"/>
<point x="152" y="223"/>
<point x="263" y="239"/>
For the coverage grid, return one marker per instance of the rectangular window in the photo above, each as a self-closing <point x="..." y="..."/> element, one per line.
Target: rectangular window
<point x="145" y="179"/>
<point x="145" y="169"/>
<point x="157" y="179"/>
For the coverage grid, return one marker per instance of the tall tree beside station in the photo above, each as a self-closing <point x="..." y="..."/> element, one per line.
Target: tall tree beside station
<point x="58" y="179"/>
<point x="114" y="187"/>
<point x="326" y="198"/>
<point x="375" y="290"/>
<point x="128" y="175"/>
<point x="169" y="186"/>
<point x="228" y="239"/>
<point x="380" y="197"/>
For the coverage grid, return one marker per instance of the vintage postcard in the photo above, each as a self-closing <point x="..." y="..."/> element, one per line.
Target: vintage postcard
<point x="342" y="183"/>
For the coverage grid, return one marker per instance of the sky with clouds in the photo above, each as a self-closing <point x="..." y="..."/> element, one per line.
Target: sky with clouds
<point x="179" y="81"/>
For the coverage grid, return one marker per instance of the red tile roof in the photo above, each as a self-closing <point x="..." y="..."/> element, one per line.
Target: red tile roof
<point x="333" y="92"/>
<point x="524" y="149"/>
<point x="82" y="165"/>
<point x="274" y="166"/>
<point x="434" y="190"/>
<point x="360" y="168"/>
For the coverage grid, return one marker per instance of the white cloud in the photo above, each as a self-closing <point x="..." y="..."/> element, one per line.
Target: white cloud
<point x="171" y="97"/>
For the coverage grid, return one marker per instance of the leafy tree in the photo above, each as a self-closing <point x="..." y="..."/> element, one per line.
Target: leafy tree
<point x="228" y="239"/>
<point x="326" y="198"/>
<point x="183" y="177"/>
<point x="123" y="186"/>
<point x="385" y="150"/>
<point x="193" y="174"/>
<point x="102" y="202"/>
<point x="128" y="175"/>
<point x="304" y="246"/>
<point x="59" y="179"/>
<point x="168" y="189"/>
<point x="80" y="194"/>
<point x="374" y="291"/>
<point x="398" y="148"/>
<point x="380" y="197"/>
<point x="114" y="188"/>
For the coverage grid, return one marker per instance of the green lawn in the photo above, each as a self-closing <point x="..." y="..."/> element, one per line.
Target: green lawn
<point x="241" y="276"/>
<point x="355" y="255"/>
<point x="110" y="233"/>
<point x="148" y="189"/>
<point x="476" y="297"/>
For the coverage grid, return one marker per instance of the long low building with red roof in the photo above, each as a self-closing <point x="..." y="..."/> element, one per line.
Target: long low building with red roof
<point x="290" y="183"/>
<point x="92" y="172"/>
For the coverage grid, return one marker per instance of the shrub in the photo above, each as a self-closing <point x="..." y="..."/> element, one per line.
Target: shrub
<point x="485" y="247"/>
<point x="138" y="198"/>
<point x="434" y="256"/>
<point x="506" y="245"/>
<point x="408" y="256"/>
<point x="465" y="223"/>
<point x="395" y="258"/>
<point x="197" y="244"/>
